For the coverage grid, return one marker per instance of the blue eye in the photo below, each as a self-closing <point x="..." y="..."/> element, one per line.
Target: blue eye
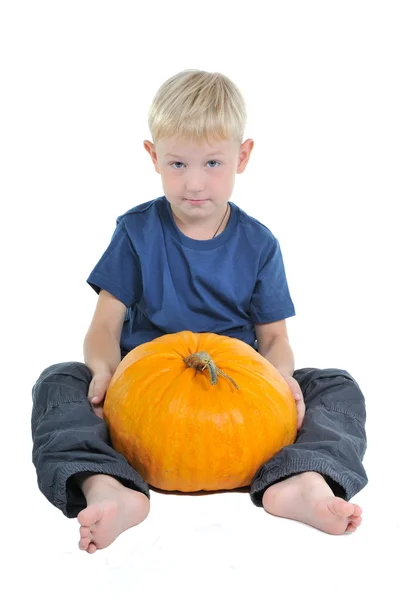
<point x="180" y="163"/>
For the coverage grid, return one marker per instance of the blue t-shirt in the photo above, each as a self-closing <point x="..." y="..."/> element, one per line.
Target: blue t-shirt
<point x="170" y="282"/>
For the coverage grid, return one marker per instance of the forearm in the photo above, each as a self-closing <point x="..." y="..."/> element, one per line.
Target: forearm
<point x="280" y="354"/>
<point x="101" y="350"/>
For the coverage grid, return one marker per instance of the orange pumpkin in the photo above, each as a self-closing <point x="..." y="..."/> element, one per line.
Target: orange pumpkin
<point x="198" y="411"/>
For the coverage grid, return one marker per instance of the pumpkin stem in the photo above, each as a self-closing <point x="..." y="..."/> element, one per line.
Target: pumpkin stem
<point x="201" y="360"/>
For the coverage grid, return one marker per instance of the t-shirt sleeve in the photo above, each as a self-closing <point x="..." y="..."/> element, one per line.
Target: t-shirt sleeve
<point x="118" y="270"/>
<point x="271" y="300"/>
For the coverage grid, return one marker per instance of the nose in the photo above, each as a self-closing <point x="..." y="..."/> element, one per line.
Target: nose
<point x="194" y="183"/>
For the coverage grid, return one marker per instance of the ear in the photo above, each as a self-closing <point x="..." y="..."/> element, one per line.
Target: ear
<point x="244" y="155"/>
<point x="150" y="148"/>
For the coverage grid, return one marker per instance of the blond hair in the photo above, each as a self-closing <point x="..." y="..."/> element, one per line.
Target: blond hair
<point x="198" y="105"/>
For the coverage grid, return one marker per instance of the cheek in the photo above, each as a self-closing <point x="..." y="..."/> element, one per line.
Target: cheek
<point x="170" y="179"/>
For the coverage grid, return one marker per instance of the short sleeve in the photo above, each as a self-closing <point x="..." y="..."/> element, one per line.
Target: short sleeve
<point x="118" y="270"/>
<point x="271" y="299"/>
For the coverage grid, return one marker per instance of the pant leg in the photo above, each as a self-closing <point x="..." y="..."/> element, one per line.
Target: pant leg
<point x="69" y="438"/>
<point x="332" y="440"/>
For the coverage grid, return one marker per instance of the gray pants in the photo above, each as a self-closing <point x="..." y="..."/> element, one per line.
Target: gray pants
<point x="69" y="439"/>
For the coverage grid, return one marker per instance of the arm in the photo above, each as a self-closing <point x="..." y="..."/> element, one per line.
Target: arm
<point x="273" y="344"/>
<point x="101" y="346"/>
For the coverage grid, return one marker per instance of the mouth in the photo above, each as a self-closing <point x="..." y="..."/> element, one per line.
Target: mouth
<point x="196" y="201"/>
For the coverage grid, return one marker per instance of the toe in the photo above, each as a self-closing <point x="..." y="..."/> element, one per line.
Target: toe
<point x="91" y="548"/>
<point x="84" y="543"/>
<point x="84" y="531"/>
<point x="351" y="528"/>
<point x="341" y="508"/>
<point x="357" y="510"/>
<point x="90" y="515"/>
<point x="356" y="521"/>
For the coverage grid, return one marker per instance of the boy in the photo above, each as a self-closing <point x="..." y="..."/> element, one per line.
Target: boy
<point x="192" y="260"/>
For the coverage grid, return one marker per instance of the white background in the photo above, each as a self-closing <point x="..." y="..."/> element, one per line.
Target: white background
<point x="321" y="84"/>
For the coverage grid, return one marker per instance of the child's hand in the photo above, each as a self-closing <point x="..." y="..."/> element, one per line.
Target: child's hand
<point x="298" y="397"/>
<point x="97" y="391"/>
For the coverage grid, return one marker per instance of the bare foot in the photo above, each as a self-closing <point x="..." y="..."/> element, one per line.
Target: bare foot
<point x="308" y="498"/>
<point x="111" y="509"/>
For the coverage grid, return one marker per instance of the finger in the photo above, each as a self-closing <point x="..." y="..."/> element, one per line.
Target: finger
<point x="96" y="400"/>
<point x="90" y="390"/>
<point x="98" y="392"/>
<point x="100" y="385"/>
<point x="98" y="411"/>
<point x="300" y="419"/>
<point x="94" y="391"/>
<point x="301" y="411"/>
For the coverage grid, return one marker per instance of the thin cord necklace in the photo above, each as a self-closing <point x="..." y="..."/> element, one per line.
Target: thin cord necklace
<point x="226" y="212"/>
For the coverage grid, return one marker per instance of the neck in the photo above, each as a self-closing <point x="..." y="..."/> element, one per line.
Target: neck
<point x="222" y="222"/>
<point x="203" y="229"/>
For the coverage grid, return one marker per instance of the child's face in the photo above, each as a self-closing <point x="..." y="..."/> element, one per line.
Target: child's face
<point x="192" y="171"/>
